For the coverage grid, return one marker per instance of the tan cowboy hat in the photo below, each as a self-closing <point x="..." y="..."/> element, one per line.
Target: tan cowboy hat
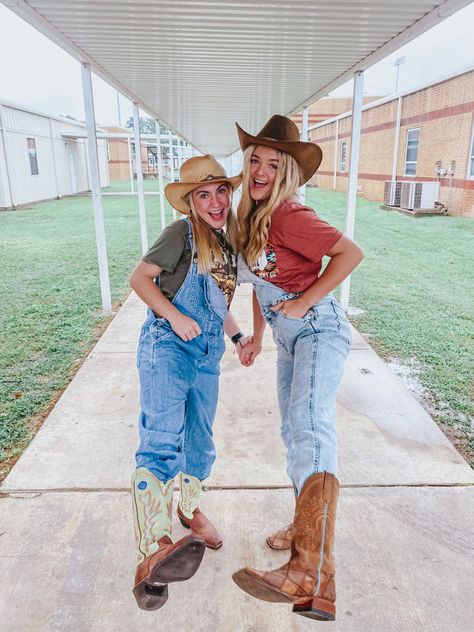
<point x="194" y="173"/>
<point x="282" y="133"/>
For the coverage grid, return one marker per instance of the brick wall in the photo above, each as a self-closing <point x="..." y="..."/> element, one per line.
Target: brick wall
<point x="444" y="114"/>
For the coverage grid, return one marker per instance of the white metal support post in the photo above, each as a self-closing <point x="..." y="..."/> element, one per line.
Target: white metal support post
<point x="180" y="154"/>
<point x="138" y="167"/>
<point x="95" y="186"/>
<point x="130" y="164"/>
<point x="353" y="172"/>
<point x="159" y="166"/>
<point x="171" y="162"/>
<point x="336" y="156"/>
<point x="304" y="138"/>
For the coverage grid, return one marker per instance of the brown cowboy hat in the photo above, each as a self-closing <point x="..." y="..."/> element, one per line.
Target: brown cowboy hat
<point x="282" y="133"/>
<point x="194" y="173"/>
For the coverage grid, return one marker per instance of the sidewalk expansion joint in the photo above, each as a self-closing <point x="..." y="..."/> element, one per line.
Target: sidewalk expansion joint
<point x="32" y="493"/>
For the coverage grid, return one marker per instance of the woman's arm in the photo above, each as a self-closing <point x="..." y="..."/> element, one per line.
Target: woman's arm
<point x="142" y="282"/>
<point x="254" y="346"/>
<point x="345" y="257"/>
<point x="231" y="328"/>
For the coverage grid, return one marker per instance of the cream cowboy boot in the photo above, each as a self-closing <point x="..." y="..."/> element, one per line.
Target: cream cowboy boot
<point x="159" y="560"/>
<point x="191" y="516"/>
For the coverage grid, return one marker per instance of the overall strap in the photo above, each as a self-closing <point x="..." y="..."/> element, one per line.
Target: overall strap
<point x="190" y="234"/>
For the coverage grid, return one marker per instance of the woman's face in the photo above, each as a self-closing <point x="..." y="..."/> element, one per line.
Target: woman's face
<point x="212" y="203"/>
<point x="263" y="169"/>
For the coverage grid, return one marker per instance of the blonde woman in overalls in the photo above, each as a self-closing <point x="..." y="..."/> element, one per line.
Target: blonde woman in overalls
<point x="187" y="280"/>
<point x="282" y="244"/>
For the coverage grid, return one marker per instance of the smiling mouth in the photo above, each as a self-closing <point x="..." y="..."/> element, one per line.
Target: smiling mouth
<point x="217" y="215"/>
<point x="259" y="184"/>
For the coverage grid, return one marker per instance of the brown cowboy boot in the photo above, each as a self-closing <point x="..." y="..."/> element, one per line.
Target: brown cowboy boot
<point x="160" y="561"/>
<point x="307" y="580"/>
<point x="281" y="539"/>
<point x="191" y="516"/>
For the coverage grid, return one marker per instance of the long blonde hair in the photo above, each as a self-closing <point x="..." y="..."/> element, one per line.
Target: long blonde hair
<point x="254" y="219"/>
<point x="205" y="241"/>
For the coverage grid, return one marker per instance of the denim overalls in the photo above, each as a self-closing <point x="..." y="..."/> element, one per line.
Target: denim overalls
<point x="310" y="359"/>
<point x="179" y="382"/>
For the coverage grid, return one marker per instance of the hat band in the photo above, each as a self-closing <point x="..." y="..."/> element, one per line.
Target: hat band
<point x="208" y="178"/>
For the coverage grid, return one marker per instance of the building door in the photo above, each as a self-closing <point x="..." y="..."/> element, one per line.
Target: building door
<point x="72" y="173"/>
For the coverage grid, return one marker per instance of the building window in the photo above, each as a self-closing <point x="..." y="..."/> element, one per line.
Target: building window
<point x="470" y="172"/>
<point x="32" y="156"/>
<point x="413" y="139"/>
<point x="343" y="155"/>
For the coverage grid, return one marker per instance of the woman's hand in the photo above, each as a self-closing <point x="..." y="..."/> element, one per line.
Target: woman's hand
<point x="249" y="351"/>
<point x="293" y="308"/>
<point x="184" y="327"/>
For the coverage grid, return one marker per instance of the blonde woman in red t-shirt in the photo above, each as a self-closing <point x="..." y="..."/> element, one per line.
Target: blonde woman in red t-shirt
<point x="282" y="244"/>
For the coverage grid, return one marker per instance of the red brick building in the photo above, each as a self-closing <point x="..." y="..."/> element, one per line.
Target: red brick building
<point x="328" y="108"/>
<point x="434" y="126"/>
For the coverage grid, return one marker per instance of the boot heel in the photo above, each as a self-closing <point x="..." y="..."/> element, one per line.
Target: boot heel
<point x="184" y="523"/>
<point x="316" y="608"/>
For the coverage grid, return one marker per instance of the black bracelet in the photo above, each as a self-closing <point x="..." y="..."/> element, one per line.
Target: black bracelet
<point x="236" y="337"/>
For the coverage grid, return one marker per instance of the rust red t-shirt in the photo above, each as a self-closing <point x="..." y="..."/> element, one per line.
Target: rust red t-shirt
<point x="297" y="241"/>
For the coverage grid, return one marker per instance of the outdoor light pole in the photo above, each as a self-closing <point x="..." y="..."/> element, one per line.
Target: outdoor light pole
<point x="398" y="62"/>
<point x="95" y="186"/>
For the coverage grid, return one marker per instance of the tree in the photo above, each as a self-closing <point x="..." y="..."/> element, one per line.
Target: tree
<point x="147" y="125"/>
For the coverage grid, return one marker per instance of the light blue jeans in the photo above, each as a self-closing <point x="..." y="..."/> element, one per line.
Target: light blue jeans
<point x="310" y="359"/>
<point x="179" y="383"/>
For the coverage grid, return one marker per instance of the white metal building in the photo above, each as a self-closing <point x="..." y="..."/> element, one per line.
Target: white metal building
<point x="40" y="159"/>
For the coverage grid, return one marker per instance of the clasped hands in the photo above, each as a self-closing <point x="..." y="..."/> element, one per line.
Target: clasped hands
<point x="248" y="347"/>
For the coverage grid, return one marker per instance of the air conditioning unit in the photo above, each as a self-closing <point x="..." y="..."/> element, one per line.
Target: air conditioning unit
<point x="392" y="192"/>
<point x="417" y="195"/>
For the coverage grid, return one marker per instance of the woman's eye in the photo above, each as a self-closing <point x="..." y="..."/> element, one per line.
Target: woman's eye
<point x="252" y="161"/>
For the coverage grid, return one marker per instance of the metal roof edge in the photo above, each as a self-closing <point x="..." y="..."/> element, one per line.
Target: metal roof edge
<point x="434" y="17"/>
<point x="41" y="24"/>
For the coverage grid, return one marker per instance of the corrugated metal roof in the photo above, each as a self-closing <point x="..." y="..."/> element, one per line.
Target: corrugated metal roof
<point x="200" y="65"/>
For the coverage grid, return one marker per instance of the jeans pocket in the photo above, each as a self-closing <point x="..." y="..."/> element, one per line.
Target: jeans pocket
<point x="210" y="361"/>
<point x="343" y="324"/>
<point x="160" y="329"/>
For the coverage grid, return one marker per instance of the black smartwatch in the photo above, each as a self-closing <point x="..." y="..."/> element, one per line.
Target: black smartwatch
<point x="236" y="337"/>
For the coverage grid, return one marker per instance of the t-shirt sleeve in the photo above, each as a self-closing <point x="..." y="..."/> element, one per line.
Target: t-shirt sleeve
<point x="304" y="232"/>
<point x="168" y="248"/>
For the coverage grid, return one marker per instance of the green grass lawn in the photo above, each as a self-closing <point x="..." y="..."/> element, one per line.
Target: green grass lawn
<point x="149" y="186"/>
<point x="415" y="286"/>
<point x="50" y="297"/>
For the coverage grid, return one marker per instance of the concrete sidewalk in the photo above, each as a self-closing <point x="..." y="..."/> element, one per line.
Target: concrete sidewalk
<point x="405" y="519"/>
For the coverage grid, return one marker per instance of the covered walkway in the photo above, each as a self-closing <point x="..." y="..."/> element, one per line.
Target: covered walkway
<point x="404" y="544"/>
<point x="405" y="522"/>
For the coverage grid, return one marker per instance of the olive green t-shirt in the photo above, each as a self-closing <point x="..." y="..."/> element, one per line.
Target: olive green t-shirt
<point x="172" y="253"/>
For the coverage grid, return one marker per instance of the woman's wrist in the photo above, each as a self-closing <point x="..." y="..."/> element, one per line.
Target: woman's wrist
<point x="236" y="337"/>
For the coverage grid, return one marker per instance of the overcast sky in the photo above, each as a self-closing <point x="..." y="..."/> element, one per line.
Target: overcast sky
<point x="38" y="74"/>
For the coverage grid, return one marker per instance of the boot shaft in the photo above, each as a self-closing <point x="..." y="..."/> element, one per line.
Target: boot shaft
<point x="189" y="494"/>
<point x="152" y="508"/>
<point x="314" y="523"/>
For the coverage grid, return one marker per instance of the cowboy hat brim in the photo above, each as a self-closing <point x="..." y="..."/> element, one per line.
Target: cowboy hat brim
<point x="176" y="191"/>
<point x="307" y="155"/>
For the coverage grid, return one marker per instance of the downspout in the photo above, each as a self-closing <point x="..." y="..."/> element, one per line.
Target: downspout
<point x="397" y="139"/>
